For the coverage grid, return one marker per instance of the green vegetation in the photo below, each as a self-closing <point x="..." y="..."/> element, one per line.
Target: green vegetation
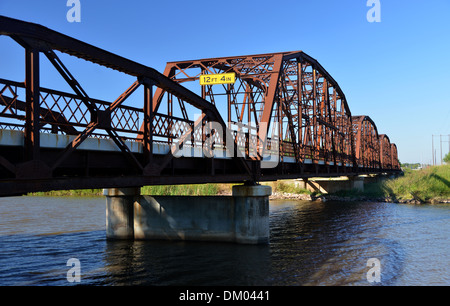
<point x="426" y="185"/>
<point x="286" y="187"/>
<point x="423" y="185"/>
<point x="200" y="189"/>
<point x="194" y="189"/>
<point x="411" y="166"/>
<point x="447" y="158"/>
<point x="191" y="190"/>
<point x="69" y="193"/>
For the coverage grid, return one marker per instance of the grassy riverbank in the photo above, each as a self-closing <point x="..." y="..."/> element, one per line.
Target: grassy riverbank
<point x="279" y="187"/>
<point x="69" y="193"/>
<point x="430" y="185"/>
<point x="425" y="185"/>
<point x="200" y="189"/>
<point x="186" y="190"/>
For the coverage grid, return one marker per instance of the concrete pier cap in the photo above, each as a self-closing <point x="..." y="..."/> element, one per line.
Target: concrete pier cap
<point x="121" y="192"/>
<point x="251" y="191"/>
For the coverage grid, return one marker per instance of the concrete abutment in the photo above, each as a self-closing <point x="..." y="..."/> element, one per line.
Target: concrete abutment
<point x="332" y="185"/>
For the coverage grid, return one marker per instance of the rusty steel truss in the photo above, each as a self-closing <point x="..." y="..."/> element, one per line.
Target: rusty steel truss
<point x="285" y="104"/>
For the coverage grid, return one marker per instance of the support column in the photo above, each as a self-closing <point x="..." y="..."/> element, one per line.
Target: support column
<point x="301" y="183"/>
<point x="32" y="85"/>
<point x="357" y="183"/>
<point x="251" y="214"/>
<point x="120" y="212"/>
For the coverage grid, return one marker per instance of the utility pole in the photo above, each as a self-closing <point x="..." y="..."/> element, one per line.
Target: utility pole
<point x="440" y="148"/>
<point x="432" y="148"/>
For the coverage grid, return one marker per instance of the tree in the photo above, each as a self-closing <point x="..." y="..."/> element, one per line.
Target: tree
<point x="447" y="158"/>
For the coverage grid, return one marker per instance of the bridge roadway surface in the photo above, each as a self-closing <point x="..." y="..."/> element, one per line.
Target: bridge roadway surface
<point x="285" y="117"/>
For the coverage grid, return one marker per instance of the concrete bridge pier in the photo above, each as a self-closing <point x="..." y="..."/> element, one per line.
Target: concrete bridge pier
<point x="241" y="218"/>
<point x="120" y="211"/>
<point x="251" y="213"/>
<point x="331" y="185"/>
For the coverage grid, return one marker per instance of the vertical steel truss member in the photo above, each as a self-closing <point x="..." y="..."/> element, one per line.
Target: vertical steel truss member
<point x="32" y="103"/>
<point x="285" y="104"/>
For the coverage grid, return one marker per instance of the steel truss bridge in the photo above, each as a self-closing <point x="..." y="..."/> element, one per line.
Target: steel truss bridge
<point x="284" y="117"/>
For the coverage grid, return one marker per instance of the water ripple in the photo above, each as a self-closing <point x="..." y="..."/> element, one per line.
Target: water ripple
<point x="310" y="244"/>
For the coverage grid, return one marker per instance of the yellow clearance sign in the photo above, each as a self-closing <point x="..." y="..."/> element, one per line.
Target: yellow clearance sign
<point x="222" y="78"/>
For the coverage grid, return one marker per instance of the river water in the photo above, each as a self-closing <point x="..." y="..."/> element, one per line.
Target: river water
<point x="311" y="243"/>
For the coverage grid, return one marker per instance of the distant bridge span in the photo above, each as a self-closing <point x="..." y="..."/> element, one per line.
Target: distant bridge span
<point x="283" y="117"/>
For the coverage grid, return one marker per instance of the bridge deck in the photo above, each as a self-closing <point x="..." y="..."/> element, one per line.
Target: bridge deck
<point x="14" y="138"/>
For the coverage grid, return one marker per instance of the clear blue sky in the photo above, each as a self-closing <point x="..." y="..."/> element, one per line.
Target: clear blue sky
<point x="396" y="71"/>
